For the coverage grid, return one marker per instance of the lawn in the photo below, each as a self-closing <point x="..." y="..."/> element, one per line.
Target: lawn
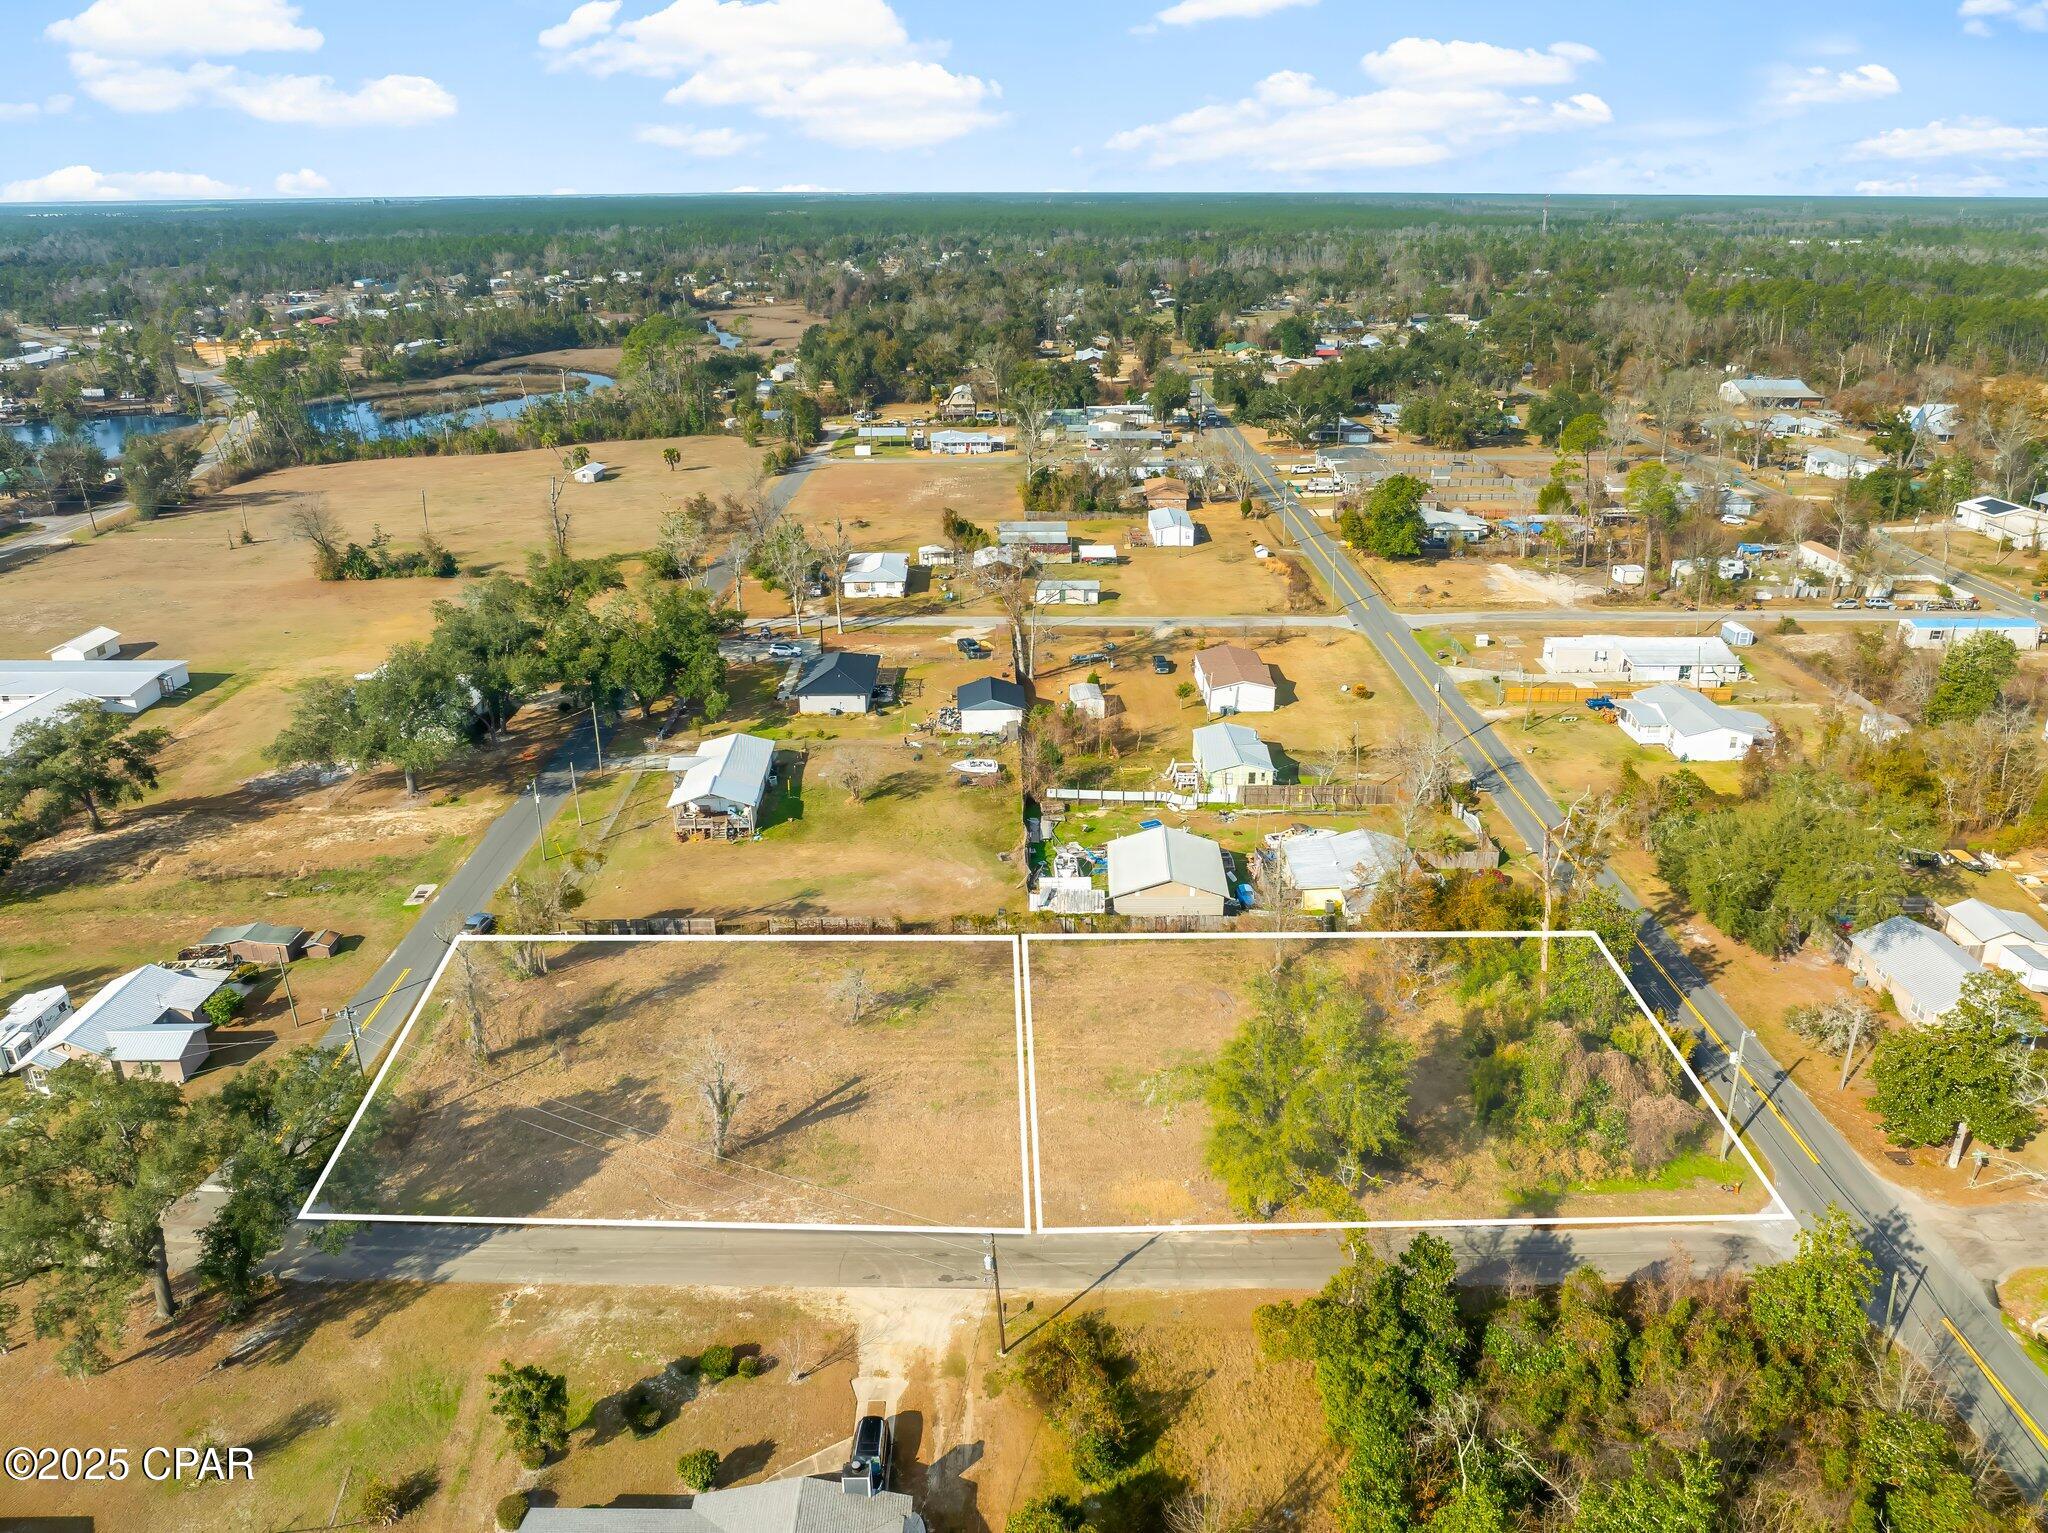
<point x="1125" y="1035"/>
<point x="341" y="1382"/>
<point x="591" y="1100"/>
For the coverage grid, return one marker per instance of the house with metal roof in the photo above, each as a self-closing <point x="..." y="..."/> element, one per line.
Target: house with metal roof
<point x="149" y="1023"/>
<point x="94" y="644"/>
<point x="18" y="713"/>
<point x="1706" y="662"/>
<point x="2002" y="521"/>
<point x="1920" y="968"/>
<point x="1938" y="630"/>
<point x="961" y="444"/>
<point x="1044" y="540"/>
<point x="838" y="681"/>
<point x="1170" y="527"/>
<point x="1339" y="869"/>
<point x="721" y="784"/>
<point x="1067" y="593"/>
<point x="2002" y="939"/>
<point x="1690" y="726"/>
<point x="988" y="705"/>
<point x="1231" y="756"/>
<point x="875" y="575"/>
<point x="1834" y="463"/>
<point x="1233" y="679"/>
<point x="119" y="686"/>
<point x="807" y="1505"/>
<point x="1166" y="871"/>
<point x="259" y="941"/>
<point x="1769" y="393"/>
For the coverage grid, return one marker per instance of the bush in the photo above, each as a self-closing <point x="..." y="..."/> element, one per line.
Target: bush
<point x="512" y="1510"/>
<point x="698" y="1468"/>
<point x="716" y="1364"/>
<point x="533" y="1458"/>
<point x="1046" y="1514"/>
<point x="382" y="1503"/>
<point x="748" y="1367"/>
<point x="223" y="1006"/>
<point x="641" y="1409"/>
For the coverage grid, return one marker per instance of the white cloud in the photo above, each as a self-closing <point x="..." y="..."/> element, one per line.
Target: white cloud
<point x="1446" y="104"/>
<point x="391" y="101"/>
<point x="1188" y="13"/>
<point x="705" y="143"/>
<point x="1821" y="86"/>
<point x="592" y="19"/>
<point x="1914" y="186"/>
<point x="1981" y="137"/>
<point x="1413" y="62"/>
<point x="81" y="183"/>
<point x="1978" y="15"/>
<point x="301" y="182"/>
<point x="25" y="111"/>
<point x="157" y="28"/>
<point x="841" y="71"/>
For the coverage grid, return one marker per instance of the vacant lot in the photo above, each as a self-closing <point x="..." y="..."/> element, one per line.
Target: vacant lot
<point x="591" y="1098"/>
<point x="1125" y="1034"/>
<point x="921" y="844"/>
<point x="766" y="326"/>
<point x="1335" y="694"/>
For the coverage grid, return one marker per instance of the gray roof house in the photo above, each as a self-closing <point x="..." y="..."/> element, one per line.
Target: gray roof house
<point x="146" y="1023"/>
<point x="725" y="780"/>
<point x="1167" y="872"/>
<point x="779" y="1506"/>
<point x="990" y="704"/>
<point x="838" y="681"/>
<point x="1920" y="968"/>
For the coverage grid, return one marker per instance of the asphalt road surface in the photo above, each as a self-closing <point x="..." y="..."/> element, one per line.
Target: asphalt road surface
<point x="1929" y="1297"/>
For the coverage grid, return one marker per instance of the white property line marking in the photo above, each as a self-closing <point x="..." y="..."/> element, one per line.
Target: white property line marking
<point x="1019" y="1001"/>
<point x="1775" y="1213"/>
<point x="1030" y="1082"/>
<point x="1026" y="1110"/>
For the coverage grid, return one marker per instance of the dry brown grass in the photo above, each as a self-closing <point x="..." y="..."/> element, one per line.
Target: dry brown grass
<point x="588" y="1104"/>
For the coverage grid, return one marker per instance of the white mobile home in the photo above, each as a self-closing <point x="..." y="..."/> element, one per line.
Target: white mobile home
<point x="1691" y="727"/>
<point x="1170" y="527"/>
<point x="875" y="575"/>
<point x="1938" y="630"/>
<point x="1633" y="657"/>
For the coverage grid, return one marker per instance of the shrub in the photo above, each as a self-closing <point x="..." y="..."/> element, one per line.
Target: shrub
<point x="512" y="1510"/>
<point x="533" y="1458"/>
<point x="715" y="1364"/>
<point x="1046" y="1514"/>
<point x="641" y="1408"/>
<point x="698" y="1468"/>
<point x="382" y="1503"/>
<point x="223" y="1006"/>
<point x="748" y="1367"/>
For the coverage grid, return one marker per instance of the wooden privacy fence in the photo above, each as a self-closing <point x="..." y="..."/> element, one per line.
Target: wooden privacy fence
<point x="651" y="926"/>
<point x="1320" y="795"/>
<point x="831" y="926"/>
<point x="1559" y="692"/>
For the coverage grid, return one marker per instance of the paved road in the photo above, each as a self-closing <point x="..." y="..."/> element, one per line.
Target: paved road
<point x="1625" y="617"/>
<point x="380" y="1008"/>
<point x="1944" y="1314"/>
<point x="1996" y="597"/>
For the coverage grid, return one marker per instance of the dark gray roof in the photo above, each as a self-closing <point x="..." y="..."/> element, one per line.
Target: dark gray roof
<point x="840" y="673"/>
<point x="989" y="689"/>
<point x="254" y="931"/>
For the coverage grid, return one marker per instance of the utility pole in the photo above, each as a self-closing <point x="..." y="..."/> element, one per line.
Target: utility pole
<point x="1848" y="1054"/>
<point x="355" y="1036"/>
<point x="285" y="975"/>
<point x="576" y="795"/>
<point x="1734" y="1090"/>
<point x="994" y="1268"/>
<point x="540" y="821"/>
<point x="424" y="527"/>
<point x="597" y="735"/>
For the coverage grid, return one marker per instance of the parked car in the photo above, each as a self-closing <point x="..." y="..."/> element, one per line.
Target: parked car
<point x="1877" y="604"/>
<point x="974" y="649"/>
<point x="1092" y="657"/>
<point x="481" y="924"/>
<point x="785" y="649"/>
<point x="1846" y="604"/>
<point x="1600" y="704"/>
<point x="1161" y="666"/>
<point x="867" y="1466"/>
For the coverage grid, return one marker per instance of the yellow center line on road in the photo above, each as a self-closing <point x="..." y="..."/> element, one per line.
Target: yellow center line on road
<point x="1341" y="573"/>
<point x="372" y="1017"/>
<point x="2033" y="1427"/>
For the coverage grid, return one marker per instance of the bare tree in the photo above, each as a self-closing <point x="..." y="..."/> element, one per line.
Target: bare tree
<point x="835" y="556"/>
<point x="540" y="903"/>
<point x="1015" y="589"/>
<point x="2010" y="435"/>
<point x="683" y="535"/>
<point x="790" y="558"/>
<point x="558" y="519"/>
<point x="475" y="988"/>
<point x="854" y="770"/>
<point x="1207" y="1506"/>
<point x="856" y="994"/>
<point x="310" y="521"/>
<point x="1034" y="423"/>
<point x="721" y="1087"/>
<point x="1576" y="847"/>
<point x="1838" y="1024"/>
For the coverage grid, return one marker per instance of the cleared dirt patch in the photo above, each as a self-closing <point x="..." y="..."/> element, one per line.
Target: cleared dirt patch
<point x="851" y="1060"/>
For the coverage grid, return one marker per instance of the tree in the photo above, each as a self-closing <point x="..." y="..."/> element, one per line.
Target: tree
<point x="1651" y="492"/>
<point x="1392" y="526"/>
<point x="1577" y="847"/>
<point x="1963" y="1068"/>
<point x="682" y="536"/>
<point x="415" y="713"/>
<point x="473" y="989"/>
<point x="856" y="994"/>
<point x="83" y="758"/>
<point x="698" y="1470"/>
<point x="835" y="559"/>
<point x="723" y="1091"/>
<point x="1015" y="589"/>
<point x="672" y="457"/>
<point x="533" y="1404"/>
<point x="1838" y="1024"/>
<point x="156" y="471"/>
<point x="1646" y="1502"/>
<point x="93" y="1168"/>
<point x="1972" y="675"/>
<point x="1170" y="391"/>
<point x="789" y="557"/>
<point x="310" y="522"/>
<point x="1811" y="1312"/>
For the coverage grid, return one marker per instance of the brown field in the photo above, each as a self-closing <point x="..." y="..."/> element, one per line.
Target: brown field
<point x="587" y="1105"/>
<point x="1315" y="713"/>
<point x="924" y="846"/>
<point x="1123" y="1033"/>
<point x="766" y="326"/>
<point x="222" y="839"/>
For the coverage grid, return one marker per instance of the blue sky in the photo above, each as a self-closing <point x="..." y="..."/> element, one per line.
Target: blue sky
<point x="133" y="99"/>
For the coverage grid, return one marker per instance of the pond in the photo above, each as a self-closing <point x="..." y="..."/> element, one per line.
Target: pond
<point x="360" y="417"/>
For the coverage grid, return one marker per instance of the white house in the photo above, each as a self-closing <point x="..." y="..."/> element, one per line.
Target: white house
<point x="1167" y="872"/>
<point x="1086" y="699"/>
<point x="589" y="473"/>
<point x="1170" y="527"/>
<point x="1443" y="524"/>
<point x="1067" y="593"/>
<point x="93" y="644"/>
<point x="838" y="681"/>
<point x="964" y="444"/>
<point x="1343" y="868"/>
<point x="1920" y="968"/>
<point x="1705" y="662"/>
<point x="150" y="1023"/>
<point x="2002" y="521"/>
<point x="1936" y="420"/>
<point x="1769" y="393"/>
<point x="1691" y="727"/>
<point x="2001" y="939"/>
<point x="1233" y="679"/>
<point x="1230" y="756"/>
<point x="935" y="556"/>
<point x="1938" y="630"/>
<point x="28" y="1020"/>
<point x="1819" y="559"/>
<point x="875" y="575"/>
<point x="725" y="779"/>
<point x="988" y="705"/>
<point x="1833" y="463"/>
<point x="18" y="713"/>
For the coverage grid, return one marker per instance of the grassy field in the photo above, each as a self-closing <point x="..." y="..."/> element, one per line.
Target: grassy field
<point x="1124" y="1035"/>
<point x="923" y="846"/>
<point x="344" y="1381"/>
<point x="223" y="838"/>
<point x="590" y="1101"/>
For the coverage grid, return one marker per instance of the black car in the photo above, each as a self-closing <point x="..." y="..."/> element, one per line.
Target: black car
<point x="1161" y="666"/>
<point x="973" y="649"/>
<point x="867" y="1467"/>
<point x="1092" y="657"/>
